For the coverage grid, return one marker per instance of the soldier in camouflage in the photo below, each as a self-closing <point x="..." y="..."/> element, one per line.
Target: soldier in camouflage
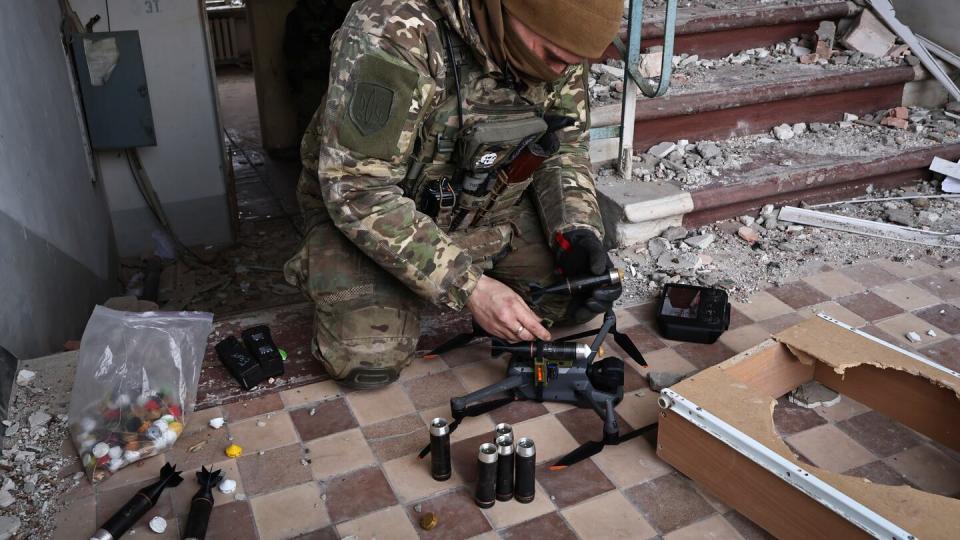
<point x="403" y="188"/>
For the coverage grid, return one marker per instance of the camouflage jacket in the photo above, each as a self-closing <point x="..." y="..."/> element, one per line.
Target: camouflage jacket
<point x="390" y="106"/>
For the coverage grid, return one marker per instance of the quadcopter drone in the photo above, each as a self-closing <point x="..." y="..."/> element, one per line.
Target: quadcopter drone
<point x="561" y="371"/>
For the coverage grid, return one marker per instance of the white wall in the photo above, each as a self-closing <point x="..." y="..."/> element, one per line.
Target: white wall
<point x="56" y="246"/>
<point x="937" y="20"/>
<point x="187" y="165"/>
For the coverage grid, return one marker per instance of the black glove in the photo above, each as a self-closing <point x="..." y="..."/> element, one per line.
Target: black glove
<point x="580" y="253"/>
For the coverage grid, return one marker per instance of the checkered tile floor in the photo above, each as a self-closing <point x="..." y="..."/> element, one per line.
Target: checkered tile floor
<point x="323" y="463"/>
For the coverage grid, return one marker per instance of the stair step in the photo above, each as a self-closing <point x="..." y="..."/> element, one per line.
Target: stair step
<point x="810" y="178"/>
<point x="739" y="100"/>
<point x="716" y="32"/>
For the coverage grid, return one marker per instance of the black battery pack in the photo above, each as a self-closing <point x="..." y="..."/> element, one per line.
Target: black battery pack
<point x="261" y="345"/>
<point x="241" y="364"/>
<point x="693" y="314"/>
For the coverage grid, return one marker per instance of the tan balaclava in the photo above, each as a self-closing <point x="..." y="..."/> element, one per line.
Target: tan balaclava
<point x="582" y="27"/>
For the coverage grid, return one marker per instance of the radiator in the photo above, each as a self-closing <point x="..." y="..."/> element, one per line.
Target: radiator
<point x="223" y="34"/>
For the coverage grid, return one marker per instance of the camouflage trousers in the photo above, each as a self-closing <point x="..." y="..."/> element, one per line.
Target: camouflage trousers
<point x="367" y="324"/>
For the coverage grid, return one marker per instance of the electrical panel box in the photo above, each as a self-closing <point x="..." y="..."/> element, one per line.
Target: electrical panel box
<point x="113" y="86"/>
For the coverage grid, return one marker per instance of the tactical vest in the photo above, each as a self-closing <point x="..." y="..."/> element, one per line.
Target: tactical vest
<point x="461" y="147"/>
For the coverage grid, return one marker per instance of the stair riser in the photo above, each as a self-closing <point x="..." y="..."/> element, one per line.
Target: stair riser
<point x="762" y="117"/>
<point x="828" y="193"/>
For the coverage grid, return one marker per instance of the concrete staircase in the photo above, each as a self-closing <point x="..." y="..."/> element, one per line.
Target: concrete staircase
<point x="737" y="100"/>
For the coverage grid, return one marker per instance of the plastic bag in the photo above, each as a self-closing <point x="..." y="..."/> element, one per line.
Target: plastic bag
<point x="137" y="376"/>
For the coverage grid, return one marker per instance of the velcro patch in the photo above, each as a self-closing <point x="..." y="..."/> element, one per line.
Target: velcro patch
<point x="377" y="108"/>
<point x="370" y="107"/>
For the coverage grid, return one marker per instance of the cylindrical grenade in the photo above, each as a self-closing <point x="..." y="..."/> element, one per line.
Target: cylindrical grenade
<point x="502" y="429"/>
<point x="440" y="449"/>
<point x="526" y="459"/>
<point x="485" y="494"/>
<point x="504" y="468"/>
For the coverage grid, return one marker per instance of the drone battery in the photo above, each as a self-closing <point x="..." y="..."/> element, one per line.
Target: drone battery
<point x="241" y="365"/>
<point x="260" y="343"/>
<point x="693" y="314"/>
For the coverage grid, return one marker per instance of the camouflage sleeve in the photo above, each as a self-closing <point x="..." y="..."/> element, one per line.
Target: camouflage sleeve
<point x="563" y="186"/>
<point x="379" y="89"/>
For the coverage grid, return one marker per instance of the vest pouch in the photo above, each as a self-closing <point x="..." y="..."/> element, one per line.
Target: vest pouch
<point x="488" y="145"/>
<point x="504" y="205"/>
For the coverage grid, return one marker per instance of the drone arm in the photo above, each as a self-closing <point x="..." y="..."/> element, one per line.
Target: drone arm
<point x="459" y="405"/>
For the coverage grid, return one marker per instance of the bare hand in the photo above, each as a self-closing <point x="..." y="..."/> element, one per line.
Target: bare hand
<point x="503" y="313"/>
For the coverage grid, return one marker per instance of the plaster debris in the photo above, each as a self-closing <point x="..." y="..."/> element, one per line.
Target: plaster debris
<point x="658" y="380"/>
<point x="784" y="132"/>
<point x="662" y="150"/>
<point x="216" y="423"/>
<point x="700" y="241"/>
<point x="39" y="419"/>
<point x="914" y="337"/>
<point x="227" y="486"/>
<point x="25" y="377"/>
<point x="931" y="333"/>
<point x="813" y="394"/>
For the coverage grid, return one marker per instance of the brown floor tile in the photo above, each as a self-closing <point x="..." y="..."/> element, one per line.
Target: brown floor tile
<point x="869" y="274"/>
<point x="508" y="514"/>
<point x="668" y="360"/>
<point x="517" y="412"/>
<point x="738" y="319"/>
<point x="136" y="473"/>
<point x="181" y="495"/>
<point x="941" y="285"/>
<point x="275" y="469"/>
<point x="763" y="306"/>
<point x="421" y="367"/>
<point x="643" y="313"/>
<point x="552" y="439"/>
<point x="745" y="337"/>
<point x="574" y="484"/>
<point x="879" y="472"/>
<point x="253" y="407"/>
<point x="214" y="441"/>
<point x="290" y="512"/>
<point x="906" y="295"/>
<point x="326" y="533"/>
<point x="879" y="434"/>
<point x="640" y="408"/>
<point x="714" y="527"/>
<point x="78" y="519"/>
<point x="870" y="306"/>
<point x="463" y="456"/>
<point x="398" y="437"/>
<point x="669" y="502"/>
<point x="550" y="526"/>
<point x="171" y="533"/>
<point x="899" y="326"/>
<point x="929" y="469"/>
<point x="830" y="449"/>
<point x="389" y="523"/>
<point x="328" y="417"/>
<point x="585" y="425"/>
<point x="838" y="312"/>
<point x="630" y="463"/>
<point x="633" y="378"/>
<point x="338" y="454"/>
<point x="266" y="432"/>
<point x="459" y="517"/>
<point x="834" y="284"/>
<point x="232" y="521"/>
<point x="907" y="269"/>
<point x="477" y="351"/>
<point x="747" y="529"/>
<point x="357" y="493"/>
<point x="644" y="338"/>
<point x="311" y="393"/>
<point x="373" y="406"/>
<point x="943" y="316"/>
<point x="946" y="353"/>
<point x="198" y="420"/>
<point x="477" y="375"/>
<point x="846" y="408"/>
<point x="410" y="477"/>
<point x="798" y="294"/>
<point x="434" y="390"/>
<point x="790" y="419"/>
<point x="608" y="516"/>
<point x="781" y="323"/>
<point x="703" y="356"/>
<point x="880" y="334"/>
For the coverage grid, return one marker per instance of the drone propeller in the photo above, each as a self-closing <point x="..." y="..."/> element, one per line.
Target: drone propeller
<point x="619" y="338"/>
<point x="469" y="412"/>
<point x="592" y="448"/>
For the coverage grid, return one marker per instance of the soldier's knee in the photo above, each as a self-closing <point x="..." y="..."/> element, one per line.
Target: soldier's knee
<point x="368" y="347"/>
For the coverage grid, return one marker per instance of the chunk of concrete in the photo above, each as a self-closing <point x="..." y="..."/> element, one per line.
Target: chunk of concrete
<point x="813" y="394"/>
<point x="650" y="64"/>
<point x="783" y="132"/>
<point x="869" y="35"/>
<point x="672" y="234"/>
<point x="701" y="241"/>
<point x="658" y="380"/>
<point x="662" y="150"/>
